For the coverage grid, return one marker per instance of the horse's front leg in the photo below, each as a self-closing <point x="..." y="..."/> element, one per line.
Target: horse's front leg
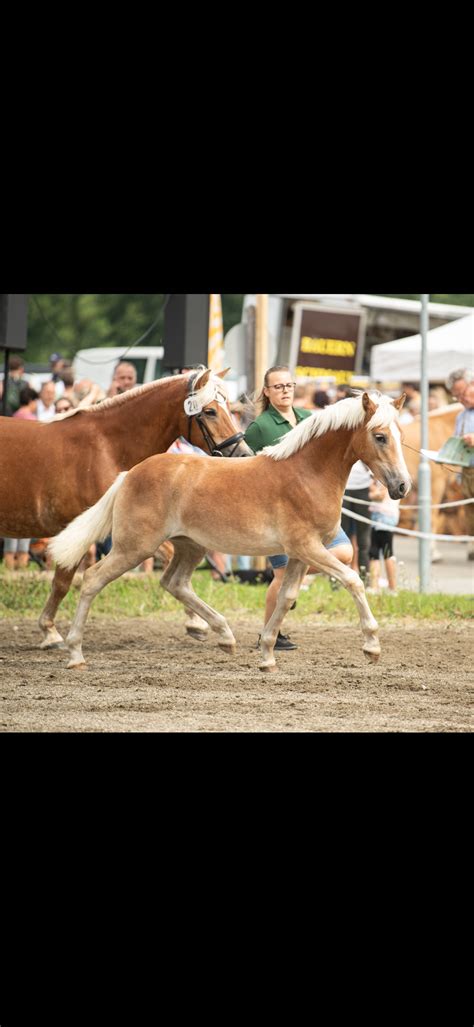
<point x="321" y="558"/>
<point x="294" y="573"/>
<point x="60" y="587"/>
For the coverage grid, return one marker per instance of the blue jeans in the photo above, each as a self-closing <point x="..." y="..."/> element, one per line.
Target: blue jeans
<point x="339" y="540"/>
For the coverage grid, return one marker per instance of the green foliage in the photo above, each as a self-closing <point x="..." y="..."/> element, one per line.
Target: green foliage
<point x="66" y="323"/>
<point x="23" y="594"/>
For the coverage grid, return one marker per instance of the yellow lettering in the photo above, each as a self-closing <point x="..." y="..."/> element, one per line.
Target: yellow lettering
<point x="334" y="347"/>
<point x="341" y="377"/>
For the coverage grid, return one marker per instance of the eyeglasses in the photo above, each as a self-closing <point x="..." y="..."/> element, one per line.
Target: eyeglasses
<point x="279" y="388"/>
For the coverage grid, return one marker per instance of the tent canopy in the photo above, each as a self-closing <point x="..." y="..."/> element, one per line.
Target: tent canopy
<point x="449" y="347"/>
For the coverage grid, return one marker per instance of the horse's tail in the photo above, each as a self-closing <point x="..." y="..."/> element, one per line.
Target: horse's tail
<point x="68" y="548"/>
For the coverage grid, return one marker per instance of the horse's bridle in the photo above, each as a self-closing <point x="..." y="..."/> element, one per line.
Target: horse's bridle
<point x="215" y="448"/>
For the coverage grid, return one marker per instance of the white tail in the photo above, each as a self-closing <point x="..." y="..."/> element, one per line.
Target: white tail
<point x="68" y="548"/>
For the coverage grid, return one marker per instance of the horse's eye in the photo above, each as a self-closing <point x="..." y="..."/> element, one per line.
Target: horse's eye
<point x="210" y="413"/>
<point x="381" y="439"/>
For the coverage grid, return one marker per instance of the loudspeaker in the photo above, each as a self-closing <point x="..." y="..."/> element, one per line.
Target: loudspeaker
<point x="13" y="320"/>
<point x="186" y="330"/>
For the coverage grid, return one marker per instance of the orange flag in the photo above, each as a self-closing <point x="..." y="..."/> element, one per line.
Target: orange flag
<point x="216" y="351"/>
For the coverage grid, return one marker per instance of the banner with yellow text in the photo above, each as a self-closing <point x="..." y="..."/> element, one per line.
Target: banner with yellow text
<point x="216" y="351"/>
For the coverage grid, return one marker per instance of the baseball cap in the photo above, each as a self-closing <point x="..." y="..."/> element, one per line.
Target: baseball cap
<point x="54" y="357"/>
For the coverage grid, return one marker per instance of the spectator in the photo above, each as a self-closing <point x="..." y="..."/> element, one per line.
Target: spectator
<point x="464" y="428"/>
<point x="357" y="487"/>
<point x="63" y="405"/>
<point x="16" y="553"/>
<point x="124" y="378"/>
<point x="456" y="382"/>
<point x="56" y="363"/>
<point x="15" y="383"/>
<point x="303" y="396"/>
<point x="65" y="386"/>
<point x="277" y="418"/>
<point x="46" y="409"/>
<point x="28" y="404"/>
<point x="87" y="392"/>
<point x="321" y="399"/>
<point x="342" y="392"/>
<point x="386" y="510"/>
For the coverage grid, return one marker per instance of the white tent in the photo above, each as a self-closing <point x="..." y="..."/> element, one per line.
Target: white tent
<point x="449" y="347"/>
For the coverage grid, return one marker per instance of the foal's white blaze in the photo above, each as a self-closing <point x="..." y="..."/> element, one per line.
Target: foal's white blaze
<point x="395" y="430"/>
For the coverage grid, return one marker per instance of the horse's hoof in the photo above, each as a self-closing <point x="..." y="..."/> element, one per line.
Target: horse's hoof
<point x="266" y="669"/>
<point x="371" y="656"/>
<point x="53" y="645"/>
<point x="76" y="666"/>
<point x="228" y="648"/>
<point x="200" y="636"/>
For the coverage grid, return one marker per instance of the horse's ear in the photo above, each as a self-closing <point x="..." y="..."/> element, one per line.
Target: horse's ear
<point x="398" y="403"/>
<point x="222" y="374"/>
<point x="202" y="378"/>
<point x="368" y="406"/>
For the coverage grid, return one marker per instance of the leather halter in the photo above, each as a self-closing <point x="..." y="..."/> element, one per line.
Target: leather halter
<point x="215" y="448"/>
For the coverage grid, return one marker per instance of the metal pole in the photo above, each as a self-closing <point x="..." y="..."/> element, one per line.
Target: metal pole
<point x="424" y="470"/>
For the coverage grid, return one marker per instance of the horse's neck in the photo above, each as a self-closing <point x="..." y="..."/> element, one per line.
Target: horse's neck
<point x="331" y="456"/>
<point x="147" y="425"/>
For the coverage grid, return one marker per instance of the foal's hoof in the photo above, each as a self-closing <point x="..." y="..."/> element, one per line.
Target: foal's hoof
<point x="200" y="636"/>
<point x="228" y="648"/>
<point x="371" y="656"/>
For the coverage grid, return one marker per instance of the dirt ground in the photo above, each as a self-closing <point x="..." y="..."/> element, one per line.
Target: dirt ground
<point x="146" y="675"/>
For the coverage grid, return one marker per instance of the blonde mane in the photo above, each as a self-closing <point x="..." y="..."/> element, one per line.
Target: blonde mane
<point x="141" y="390"/>
<point x="347" y="413"/>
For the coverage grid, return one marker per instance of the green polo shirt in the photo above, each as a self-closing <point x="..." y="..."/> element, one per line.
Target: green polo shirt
<point x="271" y="426"/>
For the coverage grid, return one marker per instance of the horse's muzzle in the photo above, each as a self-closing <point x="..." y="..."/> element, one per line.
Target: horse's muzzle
<point x="399" y="489"/>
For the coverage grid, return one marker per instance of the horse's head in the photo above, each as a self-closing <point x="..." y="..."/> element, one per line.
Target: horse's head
<point x="378" y="443"/>
<point x="209" y="417"/>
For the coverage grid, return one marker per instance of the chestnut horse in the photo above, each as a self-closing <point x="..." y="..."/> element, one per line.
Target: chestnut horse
<point x="51" y="472"/>
<point x="441" y="424"/>
<point x="286" y="499"/>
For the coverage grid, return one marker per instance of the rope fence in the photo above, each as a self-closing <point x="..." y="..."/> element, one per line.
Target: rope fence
<point x="406" y="531"/>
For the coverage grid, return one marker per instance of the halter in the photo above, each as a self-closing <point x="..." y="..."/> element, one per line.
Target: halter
<point x="193" y="406"/>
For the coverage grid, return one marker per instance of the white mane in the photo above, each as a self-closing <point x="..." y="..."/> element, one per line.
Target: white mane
<point x="215" y="389"/>
<point x="347" y="413"/>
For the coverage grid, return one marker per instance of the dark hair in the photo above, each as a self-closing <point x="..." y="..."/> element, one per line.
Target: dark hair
<point x="321" y="399"/>
<point x="67" y="376"/>
<point x="63" y="399"/>
<point x="26" y="395"/>
<point x="14" y="363"/>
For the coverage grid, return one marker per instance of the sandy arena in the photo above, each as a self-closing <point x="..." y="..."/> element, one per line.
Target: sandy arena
<point x="146" y="675"/>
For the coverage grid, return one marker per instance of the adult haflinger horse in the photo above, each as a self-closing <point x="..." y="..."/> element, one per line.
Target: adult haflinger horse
<point x="51" y="472"/>
<point x="286" y="499"/>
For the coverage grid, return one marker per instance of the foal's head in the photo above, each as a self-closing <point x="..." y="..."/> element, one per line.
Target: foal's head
<point x="378" y="443"/>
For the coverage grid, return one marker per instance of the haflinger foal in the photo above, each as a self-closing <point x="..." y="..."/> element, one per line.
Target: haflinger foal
<point x="285" y="500"/>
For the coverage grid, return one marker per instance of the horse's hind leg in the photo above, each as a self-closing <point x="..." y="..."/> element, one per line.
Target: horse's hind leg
<point x="290" y="586"/>
<point x="195" y="626"/>
<point x="60" y="587"/>
<point x="95" y="579"/>
<point x="177" y="580"/>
